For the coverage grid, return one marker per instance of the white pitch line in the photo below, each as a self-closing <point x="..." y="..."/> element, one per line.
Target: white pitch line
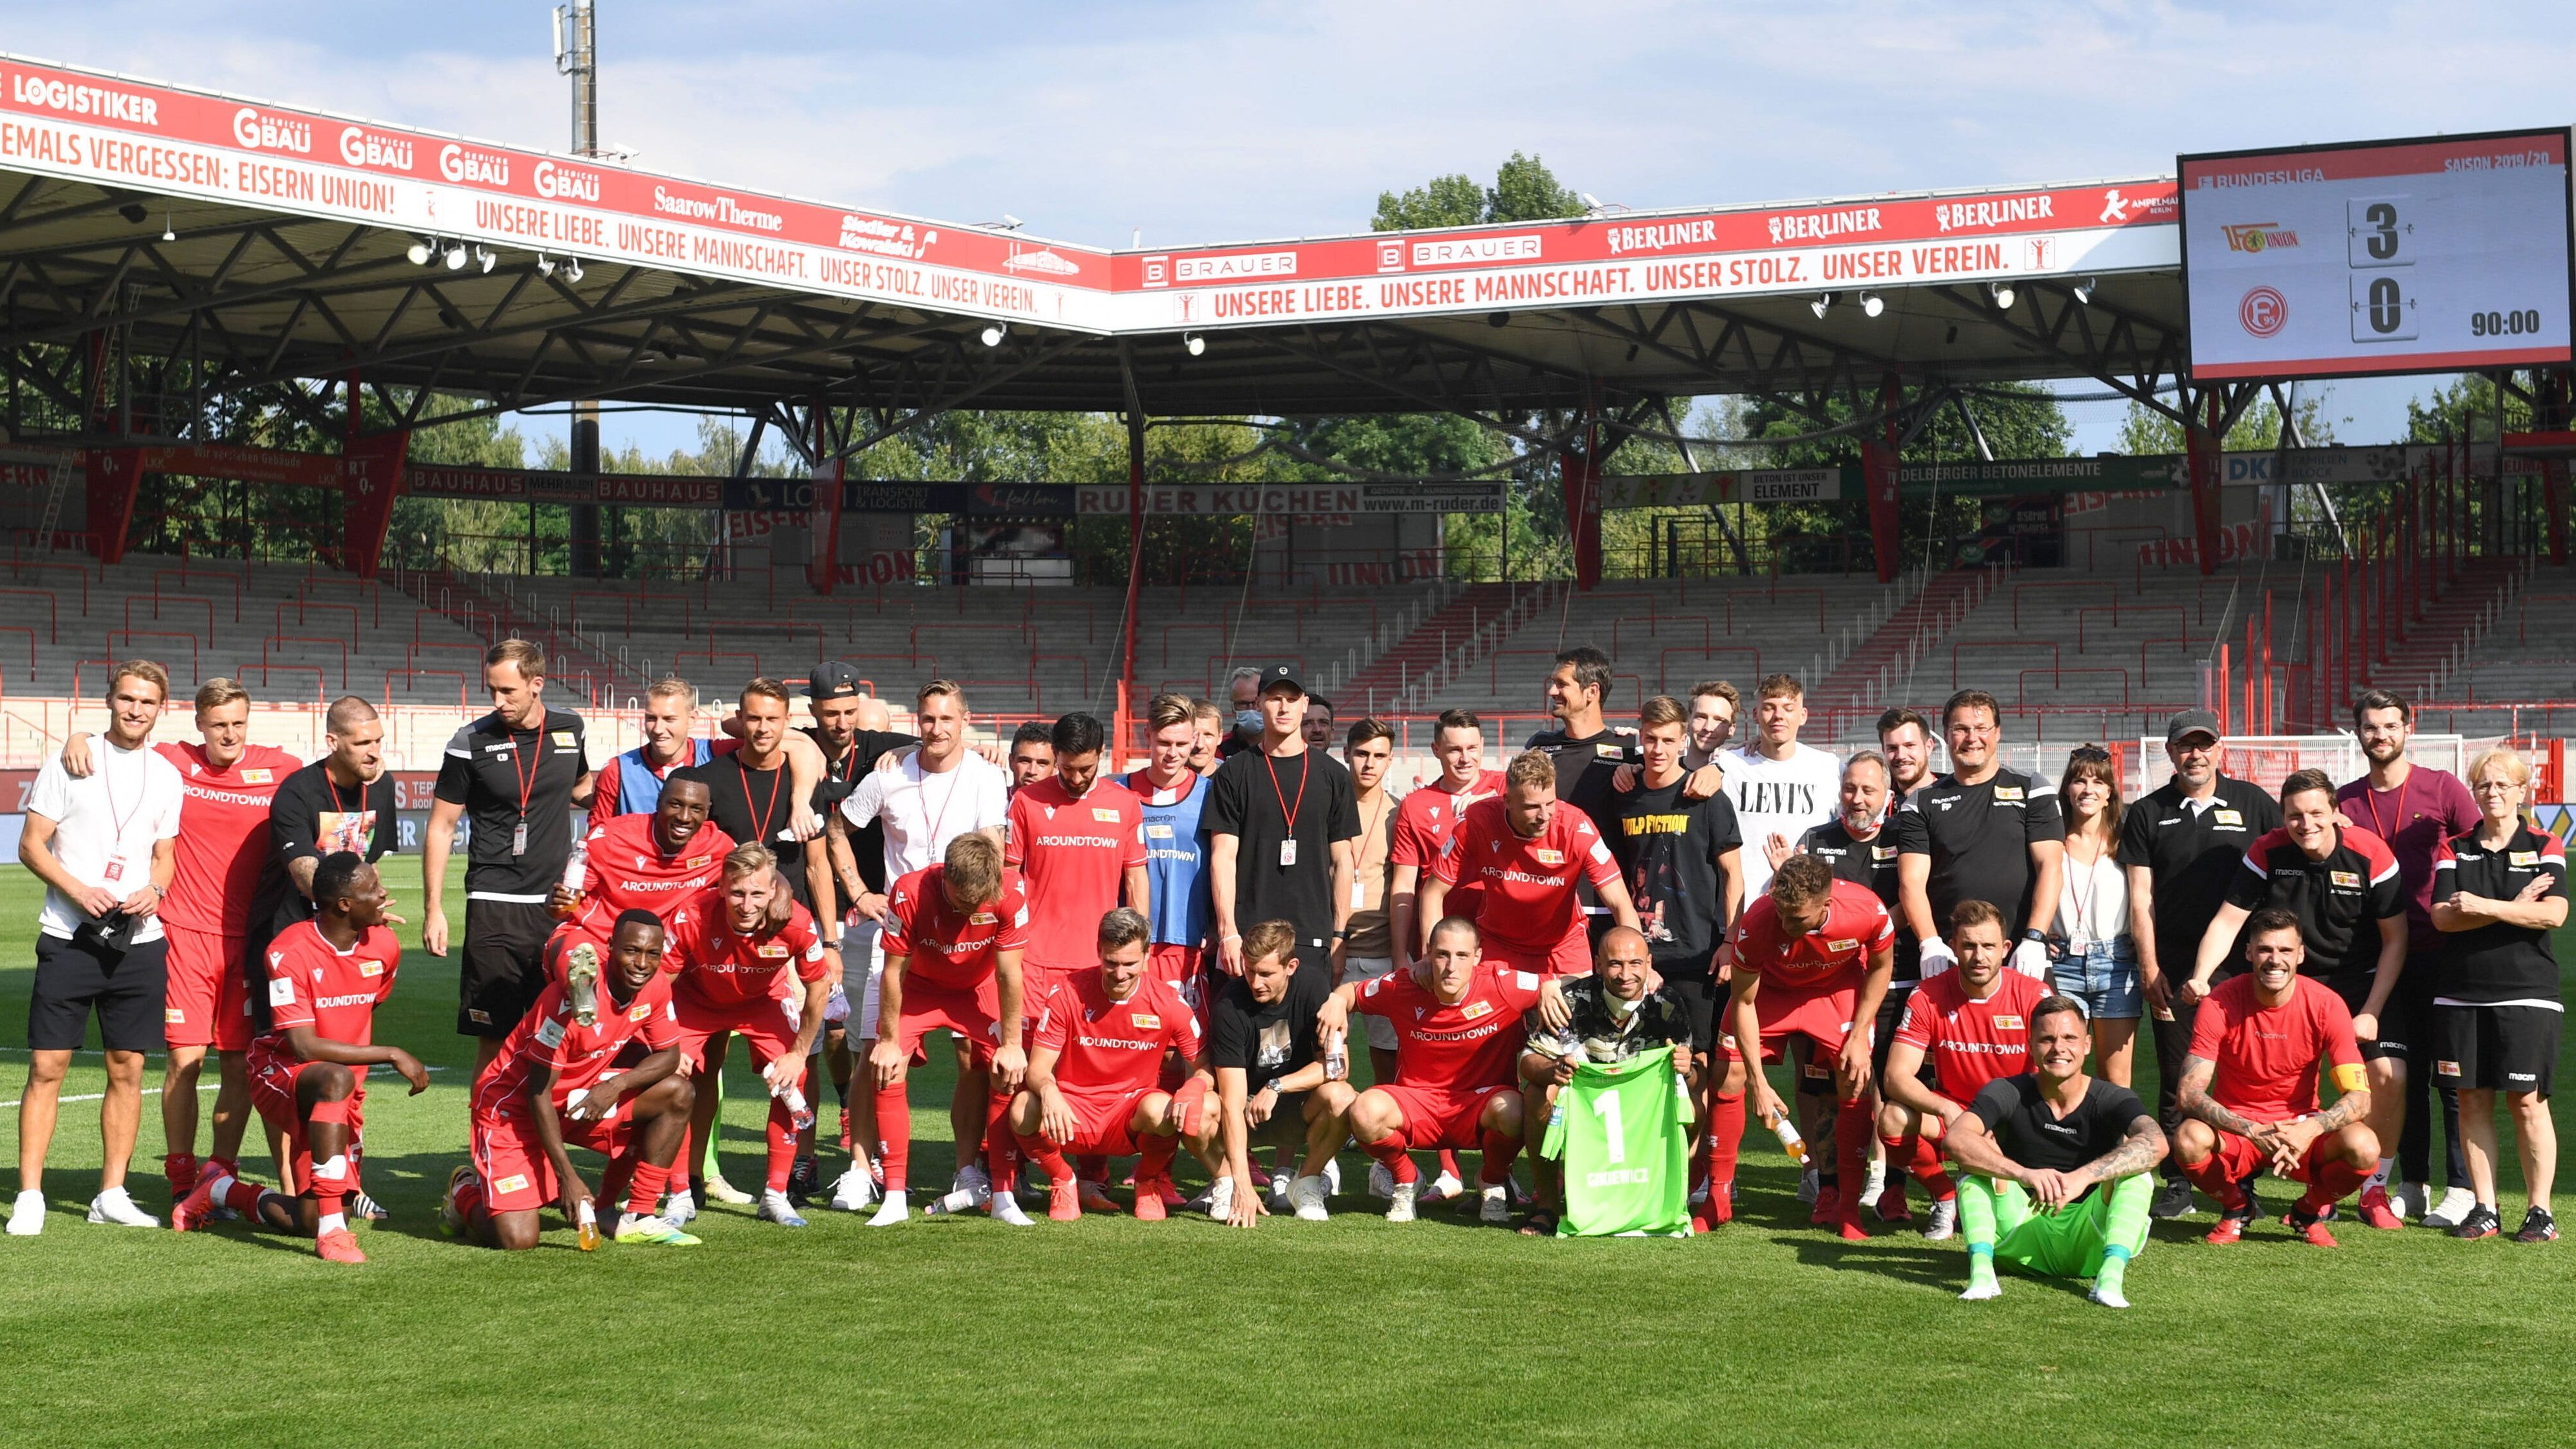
<point x="86" y="1052"/>
<point x="202" y="1088"/>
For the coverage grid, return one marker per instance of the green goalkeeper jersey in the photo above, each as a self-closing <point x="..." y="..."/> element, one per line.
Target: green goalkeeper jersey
<point x="1622" y="1132"/>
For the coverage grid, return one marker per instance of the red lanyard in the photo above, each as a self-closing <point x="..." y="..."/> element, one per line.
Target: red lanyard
<point x="1285" y="808"/>
<point x="527" y="783"/>
<point x="334" y="787"/>
<point x="2372" y="796"/>
<point x="760" y="812"/>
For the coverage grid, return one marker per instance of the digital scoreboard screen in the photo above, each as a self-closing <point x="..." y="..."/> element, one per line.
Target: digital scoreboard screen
<point x="2448" y="254"/>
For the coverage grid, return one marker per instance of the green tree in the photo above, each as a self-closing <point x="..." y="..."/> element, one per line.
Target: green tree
<point x="2145" y="432"/>
<point x="1523" y="190"/>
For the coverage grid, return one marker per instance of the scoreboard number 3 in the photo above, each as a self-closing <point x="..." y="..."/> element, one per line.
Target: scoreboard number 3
<point x="2379" y="239"/>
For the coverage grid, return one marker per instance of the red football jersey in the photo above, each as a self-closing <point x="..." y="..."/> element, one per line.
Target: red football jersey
<point x="628" y="870"/>
<point x="1455" y="1048"/>
<point x="1831" y="957"/>
<point x="310" y="983"/>
<point x="2268" y="1056"/>
<point x="548" y="1036"/>
<point x="719" y="969"/>
<point x="1970" y="1043"/>
<point x="1071" y="855"/>
<point x="1424" y="821"/>
<point x="1529" y="885"/>
<point x="944" y="948"/>
<point x="1109" y="1047"/>
<point x="223" y="841"/>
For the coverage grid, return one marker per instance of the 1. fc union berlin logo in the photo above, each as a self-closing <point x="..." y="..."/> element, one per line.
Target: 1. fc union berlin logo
<point x="2263" y="311"/>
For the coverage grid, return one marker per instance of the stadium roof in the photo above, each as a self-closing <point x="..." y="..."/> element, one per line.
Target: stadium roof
<point x="231" y="243"/>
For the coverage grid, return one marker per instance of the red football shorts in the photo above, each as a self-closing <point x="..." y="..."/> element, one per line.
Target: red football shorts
<point x="206" y="1002"/>
<point x="1434" y="1119"/>
<point x="1570" y="956"/>
<point x="272" y="1091"/>
<point x="769" y="1025"/>
<point x="1822" y="1017"/>
<point x="1101" y="1122"/>
<point x="2239" y="1158"/>
<point x="1176" y="964"/>
<point x="517" y="1177"/>
<point x="974" y="1015"/>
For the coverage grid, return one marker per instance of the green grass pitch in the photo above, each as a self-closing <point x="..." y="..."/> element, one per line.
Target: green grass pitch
<point x="1111" y="1331"/>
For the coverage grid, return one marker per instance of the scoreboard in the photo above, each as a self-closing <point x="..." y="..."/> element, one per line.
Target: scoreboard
<point x="2447" y="254"/>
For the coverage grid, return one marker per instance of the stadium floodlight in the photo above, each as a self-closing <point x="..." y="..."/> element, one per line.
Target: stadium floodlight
<point x="168" y="232"/>
<point x="1194" y="342"/>
<point x="1823" y="303"/>
<point x="456" y="256"/>
<point x="2084" y="290"/>
<point x="1871" y="304"/>
<point x="572" y="269"/>
<point x="2003" y="294"/>
<point x="545" y="265"/>
<point x="485" y="257"/>
<point x="994" y="332"/>
<point x="134" y="212"/>
<point x="1011" y="223"/>
<point x="419" y="252"/>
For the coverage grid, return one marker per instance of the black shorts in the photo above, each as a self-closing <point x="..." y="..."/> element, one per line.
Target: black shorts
<point x="126" y="989"/>
<point x="2497" y="1048"/>
<point x="2394" y="1027"/>
<point x="1703" y="1003"/>
<point x="504" y="969"/>
<point x="1882" y="1036"/>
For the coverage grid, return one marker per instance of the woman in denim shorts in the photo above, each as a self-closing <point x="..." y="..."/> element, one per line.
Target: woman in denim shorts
<point x="2093" y="957"/>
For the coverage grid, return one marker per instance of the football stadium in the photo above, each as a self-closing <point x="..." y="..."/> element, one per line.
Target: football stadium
<point x="1550" y="819"/>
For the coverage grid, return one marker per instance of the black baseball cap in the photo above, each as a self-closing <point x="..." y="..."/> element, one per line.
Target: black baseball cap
<point x="833" y="680"/>
<point x="2189" y="722"/>
<point x="1279" y="674"/>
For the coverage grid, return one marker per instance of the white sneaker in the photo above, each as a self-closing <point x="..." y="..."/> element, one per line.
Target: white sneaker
<point x="1496" y="1208"/>
<point x="1809" y="1184"/>
<point x="2452" y="1210"/>
<point x="1006" y="1211"/>
<point x="972" y="1178"/>
<point x="1381" y="1180"/>
<point x="681" y="1210"/>
<point x="719" y="1190"/>
<point x="27" y="1214"/>
<point x="895" y="1209"/>
<point x="854" y="1191"/>
<point x="1443" y="1187"/>
<point x="1220" y="1196"/>
<point x="1980" y="1292"/>
<point x="1400" y="1206"/>
<point x="776" y="1208"/>
<point x="116" y="1208"/>
<point x="2108" y="1297"/>
<point x="1943" y="1221"/>
<point x="2410" y="1200"/>
<point x="1308" y="1194"/>
<point x="1332" y="1176"/>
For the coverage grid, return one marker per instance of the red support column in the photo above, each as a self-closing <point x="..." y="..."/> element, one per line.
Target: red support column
<point x="115" y="475"/>
<point x="1579" y="469"/>
<point x="2204" y="456"/>
<point x="371" y="478"/>
<point x="1879" y="474"/>
<point x="1124" y="727"/>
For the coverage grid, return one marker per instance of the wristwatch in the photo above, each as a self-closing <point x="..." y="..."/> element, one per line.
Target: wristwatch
<point x="2035" y="934"/>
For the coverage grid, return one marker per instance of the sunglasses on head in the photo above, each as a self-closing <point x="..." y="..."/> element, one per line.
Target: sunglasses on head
<point x="2089" y="754"/>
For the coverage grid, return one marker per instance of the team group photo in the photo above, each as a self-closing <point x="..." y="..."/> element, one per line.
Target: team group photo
<point x="1573" y="806"/>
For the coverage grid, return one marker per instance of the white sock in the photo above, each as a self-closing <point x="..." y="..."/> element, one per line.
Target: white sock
<point x="218" y="1185"/>
<point x="331" y="1223"/>
<point x="2380" y="1177"/>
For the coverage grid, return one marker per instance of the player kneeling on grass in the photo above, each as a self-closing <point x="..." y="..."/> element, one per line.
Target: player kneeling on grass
<point x="1457" y="1043"/>
<point x="2058" y="1163"/>
<point x="1611" y="1018"/>
<point x="308" y="1071"/>
<point x="1971" y="1025"/>
<point x="552" y="1087"/>
<point x="1091" y="1083"/>
<point x="2249" y="1088"/>
<point x="1274" y="1078"/>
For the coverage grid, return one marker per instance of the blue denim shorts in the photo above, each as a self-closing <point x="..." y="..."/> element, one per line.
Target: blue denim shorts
<point x="2104" y="978"/>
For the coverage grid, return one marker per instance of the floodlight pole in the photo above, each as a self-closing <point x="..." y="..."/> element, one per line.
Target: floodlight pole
<point x="577" y="56"/>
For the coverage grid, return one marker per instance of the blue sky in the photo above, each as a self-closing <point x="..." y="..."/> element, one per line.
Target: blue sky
<point x="1210" y="122"/>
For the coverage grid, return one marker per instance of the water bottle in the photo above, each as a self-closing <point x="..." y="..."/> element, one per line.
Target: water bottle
<point x="1787" y="1131"/>
<point x="576" y="871"/>
<point x="963" y="1200"/>
<point x="798" y="1114"/>
<point x="586" y="1227"/>
<point x="1337" y="1057"/>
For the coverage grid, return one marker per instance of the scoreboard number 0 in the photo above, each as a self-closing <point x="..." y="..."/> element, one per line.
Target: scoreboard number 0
<point x="2382" y="308"/>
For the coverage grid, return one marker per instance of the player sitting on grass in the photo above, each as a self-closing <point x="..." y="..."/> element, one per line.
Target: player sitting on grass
<point x="2058" y="1163"/>
<point x="1457" y="1044"/>
<point x="308" y="1072"/>
<point x="2249" y="1087"/>
<point x="1613" y="1017"/>
<point x="1091" y="1083"/>
<point x="553" y="1088"/>
<point x="1973" y="1024"/>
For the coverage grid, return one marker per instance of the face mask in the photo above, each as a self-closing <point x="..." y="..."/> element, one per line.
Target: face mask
<point x="1247" y="721"/>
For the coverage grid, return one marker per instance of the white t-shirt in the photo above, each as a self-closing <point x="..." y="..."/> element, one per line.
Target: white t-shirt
<point x="1787" y="797"/>
<point x="105" y="827"/>
<point x="924" y="812"/>
<point x="2092" y="901"/>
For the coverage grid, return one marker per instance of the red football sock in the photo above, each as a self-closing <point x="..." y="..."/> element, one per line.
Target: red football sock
<point x="2210" y="1178"/>
<point x="1391" y="1152"/>
<point x="644" y="1190"/>
<point x="181" y="1169"/>
<point x="1155" y="1160"/>
<point x="469" y="1198"/>
<point x="1725" y="1139"/>
<point x="2330" y="1183"/>
<point x="1089" y="1166"/>
<point x="894" y="1129"/>
<point x="1851" y="1154"/>
<point x="1001" y="1152"/>
<point x="1047" y="1155"/>
<point x="782" y="1143"/>
<point x="1919" y="1157"/>
<point x="1499" y="1149"/>
<point x="1449" y="1164"/>
<point x="243" y="1198"/>
<point x="616" y="1176"/>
